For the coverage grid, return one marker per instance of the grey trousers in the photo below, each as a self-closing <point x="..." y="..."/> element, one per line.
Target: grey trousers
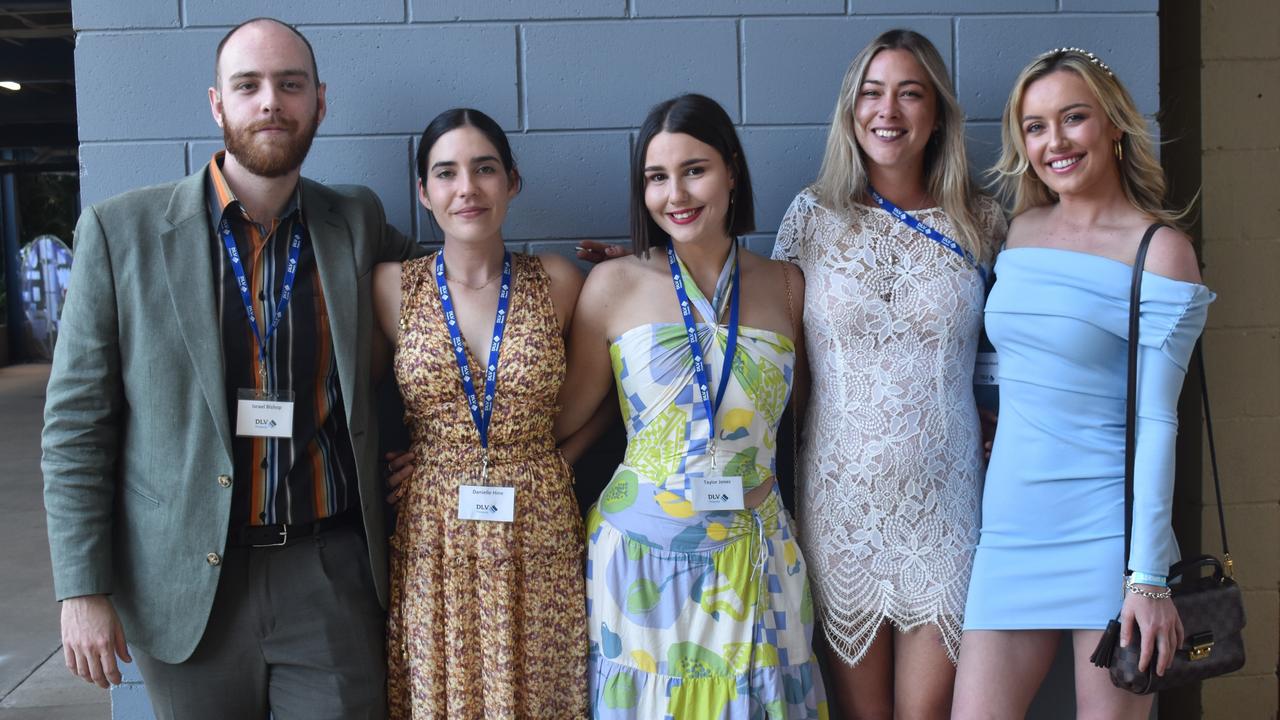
<point x="295" y="631"/>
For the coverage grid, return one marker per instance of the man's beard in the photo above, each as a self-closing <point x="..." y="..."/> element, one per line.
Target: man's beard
<point x="270" y="159"/>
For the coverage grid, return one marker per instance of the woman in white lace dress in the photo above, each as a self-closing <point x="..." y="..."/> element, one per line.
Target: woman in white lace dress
<point x="890" y="470"/>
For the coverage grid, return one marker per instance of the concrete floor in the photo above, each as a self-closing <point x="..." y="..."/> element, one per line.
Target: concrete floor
<point x="34" y="683"/>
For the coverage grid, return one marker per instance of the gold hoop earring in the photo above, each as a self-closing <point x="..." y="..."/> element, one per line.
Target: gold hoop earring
<point x="1118" y="147"/>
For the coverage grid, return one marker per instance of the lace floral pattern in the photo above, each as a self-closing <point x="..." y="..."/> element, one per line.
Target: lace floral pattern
<point x="890" y="470"/>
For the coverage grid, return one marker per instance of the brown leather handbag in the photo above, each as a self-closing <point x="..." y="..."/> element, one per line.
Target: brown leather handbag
<point x="1211" y="607"/>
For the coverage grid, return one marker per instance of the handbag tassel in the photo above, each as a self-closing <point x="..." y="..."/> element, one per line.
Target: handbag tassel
<point x="1106" y="645"/>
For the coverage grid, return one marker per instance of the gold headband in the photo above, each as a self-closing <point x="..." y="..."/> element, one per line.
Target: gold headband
<point x="1085" y="53"/>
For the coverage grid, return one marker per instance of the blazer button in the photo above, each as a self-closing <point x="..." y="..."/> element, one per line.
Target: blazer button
<point x="224" y="481"/>
<point x="213" y="559"/>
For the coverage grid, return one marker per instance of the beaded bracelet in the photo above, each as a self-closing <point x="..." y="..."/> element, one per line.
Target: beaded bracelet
<point x="1162" y="595"/>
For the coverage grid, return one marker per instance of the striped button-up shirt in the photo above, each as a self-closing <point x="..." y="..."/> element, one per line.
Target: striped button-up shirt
<point x="311" y="475"/>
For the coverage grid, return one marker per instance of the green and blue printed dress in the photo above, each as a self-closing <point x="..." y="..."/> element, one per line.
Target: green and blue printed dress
<point x="698" y="615"/>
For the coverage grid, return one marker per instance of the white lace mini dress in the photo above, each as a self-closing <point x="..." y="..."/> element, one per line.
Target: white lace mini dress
<point x="889" y="474"/>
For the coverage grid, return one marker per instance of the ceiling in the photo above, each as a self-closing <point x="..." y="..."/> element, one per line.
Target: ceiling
<point x="37" y="47"/>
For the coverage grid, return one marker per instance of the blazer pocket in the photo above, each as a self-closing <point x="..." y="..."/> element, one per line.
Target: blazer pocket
<point x="129" y="488"/>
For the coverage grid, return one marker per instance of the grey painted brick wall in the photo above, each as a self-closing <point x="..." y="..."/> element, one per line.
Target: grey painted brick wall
<point x="569" y="79"/>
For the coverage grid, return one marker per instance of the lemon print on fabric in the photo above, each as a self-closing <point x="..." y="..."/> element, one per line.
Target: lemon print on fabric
<point x="791" y="556"/>
<point x="736" y="423"/>
<point x="674" y="505"/>
<point x="644" y="661"/>
<point x="621" y="493"/>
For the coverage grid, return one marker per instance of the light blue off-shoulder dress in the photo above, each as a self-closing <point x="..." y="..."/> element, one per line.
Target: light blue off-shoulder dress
<point x="1051" y="551"/>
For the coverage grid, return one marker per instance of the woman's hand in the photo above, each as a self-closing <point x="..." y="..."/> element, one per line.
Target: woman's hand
<point x="399" y="468"/>
<point x="988" y="419"/>
<point x="1159" y="627"/>
<point x="594" y="251"/>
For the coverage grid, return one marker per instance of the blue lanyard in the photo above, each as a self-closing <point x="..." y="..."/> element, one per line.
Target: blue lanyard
<point x="480" y="414"/>
<point x="699" y="366"/>
<point x="286" y="287"/>
<point x="911" y="221"/>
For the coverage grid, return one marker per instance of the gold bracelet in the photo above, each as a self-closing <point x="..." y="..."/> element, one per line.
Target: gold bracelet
<point x="1162" y="595"/>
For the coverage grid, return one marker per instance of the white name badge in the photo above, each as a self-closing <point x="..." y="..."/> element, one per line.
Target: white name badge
<point x="260" y="414"/>
<point x="986" y="371"/>
<point x="717" y="492"/>
<point x="482" y="502"/>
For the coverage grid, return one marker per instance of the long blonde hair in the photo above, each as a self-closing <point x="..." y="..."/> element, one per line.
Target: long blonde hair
<point x="842" y="181"/>
<point x="1141" y="176"/>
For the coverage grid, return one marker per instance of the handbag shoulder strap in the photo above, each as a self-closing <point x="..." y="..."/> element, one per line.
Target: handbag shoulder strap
<point x="1228" y="568"/>
<point x="1131" y="396"/>
<point x="1131" y="405"/>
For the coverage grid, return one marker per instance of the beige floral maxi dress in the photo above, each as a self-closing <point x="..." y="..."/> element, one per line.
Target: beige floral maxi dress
<point x="487" y="619"/>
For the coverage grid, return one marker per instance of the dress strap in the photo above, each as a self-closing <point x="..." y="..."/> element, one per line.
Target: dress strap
<point x="791" y="307"/>
<point x="536" y="293"/>
<point x="796" y="339"/>
<point x="411" y="274"/>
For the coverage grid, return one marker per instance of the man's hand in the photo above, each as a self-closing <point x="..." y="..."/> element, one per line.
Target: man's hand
<point x="92" y="637"/>
<point x="595" y="252"/>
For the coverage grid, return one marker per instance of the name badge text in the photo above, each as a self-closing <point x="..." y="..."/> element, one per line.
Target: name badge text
<point x="716" y="492"/>
<point x="482" y="502"/>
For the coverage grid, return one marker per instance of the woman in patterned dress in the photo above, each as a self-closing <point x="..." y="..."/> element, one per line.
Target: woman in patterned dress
<point x="890" y="471"/>
<point x="693" y="614"/>
<point x="486" y="617"/>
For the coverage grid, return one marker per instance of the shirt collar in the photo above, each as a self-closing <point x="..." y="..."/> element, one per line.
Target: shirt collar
<point x="222" y="199"/>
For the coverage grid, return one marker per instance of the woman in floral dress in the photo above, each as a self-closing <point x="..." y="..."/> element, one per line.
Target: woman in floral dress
<point x="486" y="617"/>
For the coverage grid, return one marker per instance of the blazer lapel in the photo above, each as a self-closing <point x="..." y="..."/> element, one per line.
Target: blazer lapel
<point x="188" y="268"/>
<point x="331" y="242"/>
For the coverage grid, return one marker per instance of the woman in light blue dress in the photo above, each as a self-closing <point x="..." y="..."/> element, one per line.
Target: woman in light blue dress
<point x="1080" y="166"/>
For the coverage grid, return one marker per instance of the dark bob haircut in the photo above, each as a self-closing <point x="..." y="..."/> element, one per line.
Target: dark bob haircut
<point x="703" y="119"/>
<point x="466" y="117"/>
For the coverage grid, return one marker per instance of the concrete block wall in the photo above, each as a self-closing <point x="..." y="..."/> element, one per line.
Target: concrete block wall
<point x="570" y="80"/>
<point x="1240" y="97"/>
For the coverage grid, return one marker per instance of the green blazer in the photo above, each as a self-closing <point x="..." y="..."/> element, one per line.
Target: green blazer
<point x="137" y="431"/>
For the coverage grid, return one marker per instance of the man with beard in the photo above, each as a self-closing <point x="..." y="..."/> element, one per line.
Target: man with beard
<point x="209" y="441"/>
